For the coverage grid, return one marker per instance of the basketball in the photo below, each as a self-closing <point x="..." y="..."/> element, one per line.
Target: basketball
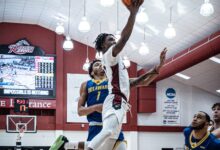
<point x="128" y="2"/>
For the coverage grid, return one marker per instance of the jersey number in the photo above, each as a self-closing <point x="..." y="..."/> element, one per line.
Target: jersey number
<point x="98" y="95"/>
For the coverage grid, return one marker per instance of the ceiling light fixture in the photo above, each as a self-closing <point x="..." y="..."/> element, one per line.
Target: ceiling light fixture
<point x="99" y="55"/>
<point x="170" y="31"/>
<point x="218" y="91"/>
<point x="118" y="32"/>
<point x="215" y="59"/>
<point x="142" y="16"/>
<point x="183" y="76"/>
<point x="107" y="3"/>
<point x="126" y="62"/>
<point x="117" y="35"/>
<point x="86" y="64"/>
<point x="206" y="9"/>
<point x="84" y="25"/>
<point x="60" y="28"/>
<point x="143" y="50"/>
<point x="68" y="44"/>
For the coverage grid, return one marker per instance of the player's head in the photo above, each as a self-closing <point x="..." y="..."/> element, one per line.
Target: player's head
<point x="104" y="41"/>
<point x="96" y="69"/>
<point x="216" y="112"/>
<point x="200" y="121"/>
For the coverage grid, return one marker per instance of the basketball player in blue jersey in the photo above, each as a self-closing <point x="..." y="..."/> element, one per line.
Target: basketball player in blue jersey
<point x="197" y="137"/>
<point x="93" y="94"/>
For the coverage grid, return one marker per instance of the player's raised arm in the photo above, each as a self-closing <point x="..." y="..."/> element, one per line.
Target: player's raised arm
<point x="151" y="75"/>
<point x="126" y="32"/>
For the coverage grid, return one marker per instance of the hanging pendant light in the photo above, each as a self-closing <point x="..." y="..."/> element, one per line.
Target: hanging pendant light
<point x="118" y="32"/>
<point x="84" y="25"/>
<point x="142" y="16"/>
<point x="206" y="9"/>
<point x="107" y="3"/>
<point x="99" y="55"/>
<point x="68" y="44"/>
<point x="170" y="31"/>
<point x="117" y="35"/>
<point x="143" y="50"/>
<point x="86" y="64"/>
<point x="60" y="28"/>
<point x="126" y="62"/>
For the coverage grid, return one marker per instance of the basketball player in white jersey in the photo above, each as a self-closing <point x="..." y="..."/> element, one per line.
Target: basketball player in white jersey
<point x="95" y="71"/>
<point x="116" y="103"/>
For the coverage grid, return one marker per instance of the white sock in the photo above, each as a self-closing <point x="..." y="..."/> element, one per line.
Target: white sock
<point x="71" y="145"/>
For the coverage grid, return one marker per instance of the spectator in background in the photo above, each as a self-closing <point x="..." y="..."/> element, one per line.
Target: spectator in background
<point x="216" y="118"/>
<point x="197" y="136"/>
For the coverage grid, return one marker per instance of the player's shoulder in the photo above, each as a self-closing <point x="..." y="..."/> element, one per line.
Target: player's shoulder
<point x="109" y="53"/>
<point x="85" y="83"/>
<point x="216" y="132"/>
<point x="187" y="130"/>
<point x="215" y="142"/>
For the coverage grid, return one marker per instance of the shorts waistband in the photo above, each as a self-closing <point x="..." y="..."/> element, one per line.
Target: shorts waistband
<point x="95" y="123"/>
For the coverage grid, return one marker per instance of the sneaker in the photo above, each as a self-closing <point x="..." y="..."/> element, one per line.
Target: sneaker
<point x="59" y="143"/>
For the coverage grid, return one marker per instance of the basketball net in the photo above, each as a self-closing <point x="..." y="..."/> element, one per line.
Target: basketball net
<point x="20" y="133"/>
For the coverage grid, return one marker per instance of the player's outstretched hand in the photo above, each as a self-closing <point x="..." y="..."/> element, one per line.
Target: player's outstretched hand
<point x="162" y="59"/>
<point x="135" y="4"/>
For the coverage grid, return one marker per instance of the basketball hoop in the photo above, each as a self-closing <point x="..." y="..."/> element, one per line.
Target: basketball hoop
<point x="21" y="123"/>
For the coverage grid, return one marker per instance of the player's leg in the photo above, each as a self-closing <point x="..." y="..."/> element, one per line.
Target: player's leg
<point x="59" y="143"/>
<point x="120" y="145"/>
<point x="110" y="126"/>
<point x="75" y="145"/>
<point x="108" y="144"/>
<point x="62" y="143"/>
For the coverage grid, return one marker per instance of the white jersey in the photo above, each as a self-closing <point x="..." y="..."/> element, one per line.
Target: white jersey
<point x="117" y="74"/>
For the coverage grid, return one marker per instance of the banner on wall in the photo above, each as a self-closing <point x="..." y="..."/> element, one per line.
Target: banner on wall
<point x="32" y="103"/>
<point x="74" y="82"/>
<point x="171" y="108"/>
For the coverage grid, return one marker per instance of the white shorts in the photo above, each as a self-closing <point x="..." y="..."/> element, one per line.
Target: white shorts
<point x="115" y="105"/>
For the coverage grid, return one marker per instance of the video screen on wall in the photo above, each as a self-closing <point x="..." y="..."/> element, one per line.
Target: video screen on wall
<point x="27" y="76"/>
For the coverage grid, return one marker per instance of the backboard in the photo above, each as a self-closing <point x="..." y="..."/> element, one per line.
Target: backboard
<point x="18" y="123"/>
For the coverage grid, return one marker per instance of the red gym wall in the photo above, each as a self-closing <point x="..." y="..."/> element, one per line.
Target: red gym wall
<point x="72" y="62"/>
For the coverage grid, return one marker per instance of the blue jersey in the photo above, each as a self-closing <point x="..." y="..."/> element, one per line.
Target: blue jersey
<point x="97" y="92"/>
<point x="208" y="142"/>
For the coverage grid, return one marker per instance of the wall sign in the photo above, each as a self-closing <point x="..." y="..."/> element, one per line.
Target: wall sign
<point x="21" y="105"/>
<point x="171" y="108"/>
